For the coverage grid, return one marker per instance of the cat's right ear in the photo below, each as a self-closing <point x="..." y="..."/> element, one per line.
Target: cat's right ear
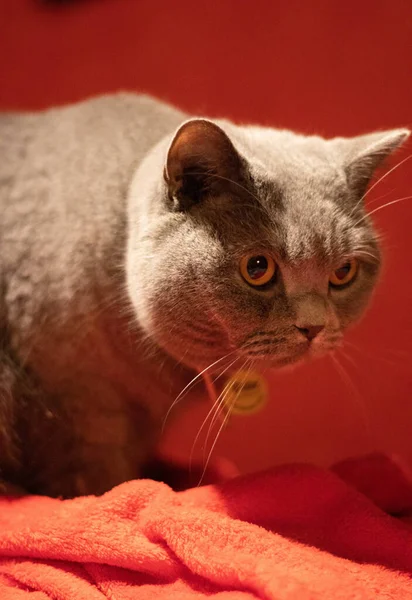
<point x="201" y="162"/>
<point x="364" y="154"/>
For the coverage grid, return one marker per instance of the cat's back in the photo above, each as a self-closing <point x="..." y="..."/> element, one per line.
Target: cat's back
<point x="64" y="176"/>
<point x="75" y="140"/>
<point x="64" y="179"/>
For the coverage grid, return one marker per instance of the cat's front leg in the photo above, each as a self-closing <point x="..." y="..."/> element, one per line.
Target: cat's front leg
<point x="99" y="470"/>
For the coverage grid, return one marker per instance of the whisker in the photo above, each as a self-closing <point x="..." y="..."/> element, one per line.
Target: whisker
<point x="215" y="405"/>
<point x="349" y="358"/>
<point x="263" y="351"/>
<point x="264" y="342"/>
<point x="217" y="415"/>
<point x="380" y="208"/>
<point x="374" y="201"/>
<point x="368" y="191"/>
<point x="222" y="425"/>
<point x="190" y="384"/>
<point x="365" y="352"/>
<point x="354" y="393"/>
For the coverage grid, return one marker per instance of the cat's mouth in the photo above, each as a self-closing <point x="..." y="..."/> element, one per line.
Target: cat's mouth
<point x="279" y="352"/>
<point x="277" y="359"/>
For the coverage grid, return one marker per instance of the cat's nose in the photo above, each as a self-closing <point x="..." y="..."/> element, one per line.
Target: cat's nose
<point x="310" y="331"/>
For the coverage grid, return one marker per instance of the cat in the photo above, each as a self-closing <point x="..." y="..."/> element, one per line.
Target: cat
<point x="140" y="247"/>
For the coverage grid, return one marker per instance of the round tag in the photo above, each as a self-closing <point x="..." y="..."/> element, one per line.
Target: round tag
<point x="245" y="393"/>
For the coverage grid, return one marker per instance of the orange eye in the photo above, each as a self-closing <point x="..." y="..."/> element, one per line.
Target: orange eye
<point x="345" y="274"/>
<point x="257" y="270"/>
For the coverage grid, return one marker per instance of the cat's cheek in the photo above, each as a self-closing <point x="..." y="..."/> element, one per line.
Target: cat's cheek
<point x="351" y="310"/>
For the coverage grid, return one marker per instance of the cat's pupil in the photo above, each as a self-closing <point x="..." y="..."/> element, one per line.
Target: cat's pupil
<point x="257" y="267"/>
<point x="342" y="272"/>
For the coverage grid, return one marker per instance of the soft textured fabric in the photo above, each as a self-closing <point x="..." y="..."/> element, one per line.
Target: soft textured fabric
<point x="295" y="532"/>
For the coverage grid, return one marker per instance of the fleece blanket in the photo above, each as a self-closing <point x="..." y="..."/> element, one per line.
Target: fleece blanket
<point x="296" y="532"/>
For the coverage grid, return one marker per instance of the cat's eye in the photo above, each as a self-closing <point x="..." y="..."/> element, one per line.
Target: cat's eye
<point x="257" y="270"/>
<point x="344" y="274"/>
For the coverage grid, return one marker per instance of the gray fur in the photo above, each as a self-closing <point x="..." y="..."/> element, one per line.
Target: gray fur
<point x="112" y="296"/>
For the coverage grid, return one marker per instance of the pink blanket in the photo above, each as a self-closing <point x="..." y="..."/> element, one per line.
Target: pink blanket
<point x="296" y="532"/>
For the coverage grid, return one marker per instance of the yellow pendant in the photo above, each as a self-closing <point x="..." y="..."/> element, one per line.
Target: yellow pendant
<point x="245" y="393"/>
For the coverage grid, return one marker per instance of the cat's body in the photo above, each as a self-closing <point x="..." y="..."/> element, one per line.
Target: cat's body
<point x="86" y="397"/>
<point x="109" y="277"/>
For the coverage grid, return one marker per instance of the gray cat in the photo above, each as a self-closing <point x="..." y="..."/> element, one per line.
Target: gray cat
<point x="138" y="248"/>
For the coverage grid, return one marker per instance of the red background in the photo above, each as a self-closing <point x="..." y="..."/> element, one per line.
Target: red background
<point x="335" y="68"/>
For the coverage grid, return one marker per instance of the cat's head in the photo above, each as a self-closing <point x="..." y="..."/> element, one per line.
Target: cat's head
<point x="258" y="247"/>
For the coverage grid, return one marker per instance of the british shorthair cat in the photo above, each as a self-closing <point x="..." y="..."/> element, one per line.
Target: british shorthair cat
<point x="140" y="247"/>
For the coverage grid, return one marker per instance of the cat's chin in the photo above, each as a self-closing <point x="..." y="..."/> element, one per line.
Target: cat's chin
<point x="293" y="360"/>
<point x="281" y="363"/>
<point x="227" y="361"/>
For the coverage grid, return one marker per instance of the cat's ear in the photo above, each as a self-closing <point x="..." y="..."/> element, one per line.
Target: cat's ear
<point x="201" y="161"/>
<point x="363" y="154"/>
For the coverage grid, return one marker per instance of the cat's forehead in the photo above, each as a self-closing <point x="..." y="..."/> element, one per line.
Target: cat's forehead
<point x="280" y="152"/>
<point x="293" y="170"/>
<point x="325" y="234"/>
<point x="302" y="186"/>
<point x="308" y="210"/>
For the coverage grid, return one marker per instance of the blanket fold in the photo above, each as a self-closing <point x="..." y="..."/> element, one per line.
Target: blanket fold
<point x="295" y="532"/>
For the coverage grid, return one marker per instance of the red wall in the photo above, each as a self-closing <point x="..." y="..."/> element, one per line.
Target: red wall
<point x="316" y="66"/>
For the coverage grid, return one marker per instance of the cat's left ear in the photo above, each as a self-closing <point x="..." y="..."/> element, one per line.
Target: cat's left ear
<point x="363" y="154"/>
<point x="201" y="161"/>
